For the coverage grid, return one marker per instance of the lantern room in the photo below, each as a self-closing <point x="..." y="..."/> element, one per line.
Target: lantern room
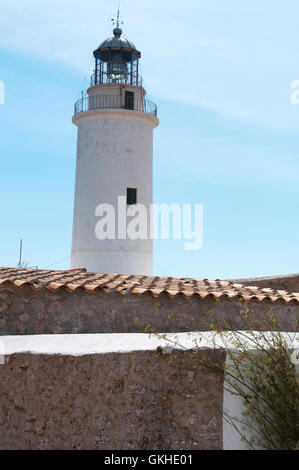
<point x="117" y="61"/>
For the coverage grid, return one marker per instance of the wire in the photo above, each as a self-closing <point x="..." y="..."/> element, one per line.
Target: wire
<point x="57" y="262"/>
<point x="162" y="270"/>
<point x="85" y="76"/>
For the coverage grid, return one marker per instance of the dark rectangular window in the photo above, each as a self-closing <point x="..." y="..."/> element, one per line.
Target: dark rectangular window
<point x="129" y="100"/>
<point x="131" y="196"/>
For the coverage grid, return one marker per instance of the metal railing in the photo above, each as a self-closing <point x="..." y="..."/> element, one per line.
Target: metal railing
<point x="102" y="77"/>
<point x="93" y="103"/>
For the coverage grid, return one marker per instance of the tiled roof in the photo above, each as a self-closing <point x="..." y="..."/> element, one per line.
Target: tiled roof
<point x="138" y="285"/>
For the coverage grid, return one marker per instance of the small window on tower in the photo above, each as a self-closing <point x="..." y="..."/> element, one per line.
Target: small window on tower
<point x="131" y="196"/>
<point x="129" y="100"/>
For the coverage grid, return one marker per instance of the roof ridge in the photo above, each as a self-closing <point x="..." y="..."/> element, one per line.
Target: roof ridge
<point x="73" y="280"/>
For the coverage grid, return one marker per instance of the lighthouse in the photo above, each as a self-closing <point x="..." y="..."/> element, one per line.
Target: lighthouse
<point x="115" y="125"/>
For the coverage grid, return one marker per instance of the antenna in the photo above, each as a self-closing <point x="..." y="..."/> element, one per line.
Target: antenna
<point x="21" y="264"/>
<point x="20" y="257"/>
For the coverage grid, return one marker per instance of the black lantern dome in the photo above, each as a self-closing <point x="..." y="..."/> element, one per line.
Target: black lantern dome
<point x="117" y="61"/>
<point x="118" y="41"/>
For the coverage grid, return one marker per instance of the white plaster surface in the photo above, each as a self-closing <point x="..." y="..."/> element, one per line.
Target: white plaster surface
<point x="119" y="90"/>
<point x="233" y="429"/>
<point x="117" y="262"/>
<point x="101" y="343"/>
<point x="84" y="344"/>
<point x="114" y="152"/>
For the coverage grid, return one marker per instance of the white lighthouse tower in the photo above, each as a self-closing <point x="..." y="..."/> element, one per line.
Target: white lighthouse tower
<point x="114" y="158"/>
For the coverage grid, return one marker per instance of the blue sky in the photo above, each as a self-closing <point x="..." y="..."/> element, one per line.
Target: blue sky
<point x="220" y="72"/>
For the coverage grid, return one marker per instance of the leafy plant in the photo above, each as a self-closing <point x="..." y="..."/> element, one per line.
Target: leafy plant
<point x="258" y="371"/>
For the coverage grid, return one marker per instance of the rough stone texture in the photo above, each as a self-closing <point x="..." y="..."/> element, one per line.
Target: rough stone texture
<point x="110" y="401"/>
<point x="24" y="311"/>
<point x="289" y="283"/>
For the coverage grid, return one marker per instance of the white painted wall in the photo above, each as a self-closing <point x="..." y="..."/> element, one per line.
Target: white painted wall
<point x="233" y="407"/>
<point x="97" y="343"/>
<point x="116" y="89"/>
<point x="114" y="152"/>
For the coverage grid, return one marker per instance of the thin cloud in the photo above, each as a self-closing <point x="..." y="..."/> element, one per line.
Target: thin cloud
<point x="220" y="55"/>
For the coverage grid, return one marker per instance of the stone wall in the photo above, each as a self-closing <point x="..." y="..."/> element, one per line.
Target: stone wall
<point x="289" y="283"/>
<point x="109" y="401"/>
<point x="24" y="311"/>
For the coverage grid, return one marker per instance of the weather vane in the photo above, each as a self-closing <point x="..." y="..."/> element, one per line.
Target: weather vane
<point x="116" y="21"/>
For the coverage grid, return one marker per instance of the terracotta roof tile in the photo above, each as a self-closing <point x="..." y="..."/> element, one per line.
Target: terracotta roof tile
<point x="73" y="280"/>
